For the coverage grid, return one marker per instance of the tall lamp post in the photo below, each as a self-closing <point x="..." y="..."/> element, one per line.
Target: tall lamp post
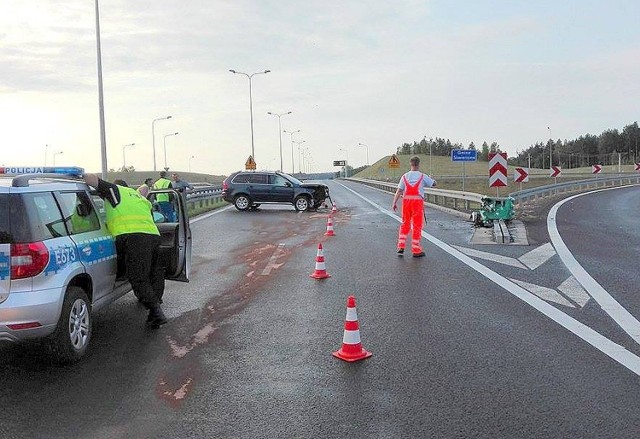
<point x="550" y="145"/>
<point x="253" y="153"/>
<point x="279" y="132"/>
<point x="291" y="133"/>
<point x="346" y="163"/>
<point x="46" y="147"/>
<point x="153" y="137"/>
<point x="299" y="142"/>
<point x="54" y="156"/>
<point x="366" y="146"/>
<point x="124" y="160"/>
<point x="191" y="158"/>
<point x="103" y="137"/>
<point x="165" y="148"/>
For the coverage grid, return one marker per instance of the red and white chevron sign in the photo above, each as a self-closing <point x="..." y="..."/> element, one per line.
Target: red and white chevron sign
<point x="556" y="171"/>
<point x="521" y="175"/>
<point x="596" y="169"/>
<point x="498" y="169"/>
<point x="637" y="166"/>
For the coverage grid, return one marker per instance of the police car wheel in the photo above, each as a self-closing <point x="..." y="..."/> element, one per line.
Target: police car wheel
<point x="301" y="202"/>
<point x="73" y="332"/>
<point x="242" y="202"/>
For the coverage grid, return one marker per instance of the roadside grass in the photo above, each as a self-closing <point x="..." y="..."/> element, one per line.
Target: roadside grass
<point x="200" y="210"/>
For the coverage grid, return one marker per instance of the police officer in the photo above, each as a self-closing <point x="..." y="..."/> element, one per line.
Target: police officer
<point x="163" y="199"/>
<point x="411" y="186"/>
<point x="129" y="219"/>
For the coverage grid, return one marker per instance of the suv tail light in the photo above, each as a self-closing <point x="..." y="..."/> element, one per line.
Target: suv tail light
<point x="28" y="260"/>
<point x="225" y="185"/>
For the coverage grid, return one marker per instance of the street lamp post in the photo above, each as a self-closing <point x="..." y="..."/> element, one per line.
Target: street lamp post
<point x="103" y="137"/>
<point x="279" y="133"/>
<point x="346" y="163"/>
<point x="54" y="156"/>
<point x="165" y="148"/>
<point x="366" y="146"/>
<point x="253" y="154"/>
<point x="291" y="133"/>
<point x="299" y="142"/>
<point x="153" y="137"/>
<point x="124" y="160"/>
<point x="190" y="158"/>
<point x="45" y="153"/>
<point x="550" y="152"/>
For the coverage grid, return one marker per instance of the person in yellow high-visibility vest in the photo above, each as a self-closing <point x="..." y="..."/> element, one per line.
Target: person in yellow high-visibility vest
<point x="130" y="221"/>
<point x="163" y="199"/>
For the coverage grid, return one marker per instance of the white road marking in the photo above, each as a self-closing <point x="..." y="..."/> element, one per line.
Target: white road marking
<point x="595" y="339"/>
<point x="538" y="256"/>
<point x="505" y="260"/>
<point x="272" y="261"/>
<point x="207" y="215"/>
<point x="574" y="291"/>
<point x="627" y="322"/>
<point x="545" y="293"/>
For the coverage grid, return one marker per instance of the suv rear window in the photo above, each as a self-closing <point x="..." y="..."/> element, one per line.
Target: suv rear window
<point x="29" y="217"/>
<point x="251" y="177"/>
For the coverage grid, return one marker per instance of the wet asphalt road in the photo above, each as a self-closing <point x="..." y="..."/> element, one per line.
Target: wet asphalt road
<point x="247" y="351"/>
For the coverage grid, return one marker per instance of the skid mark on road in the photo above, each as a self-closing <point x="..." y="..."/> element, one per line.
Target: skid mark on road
<point x="261" y="258"/>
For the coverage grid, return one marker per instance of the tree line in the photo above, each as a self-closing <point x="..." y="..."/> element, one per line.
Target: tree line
<point x="607" y="148"/>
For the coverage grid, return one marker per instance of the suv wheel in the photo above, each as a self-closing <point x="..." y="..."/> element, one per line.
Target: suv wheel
<point x="242" y="202"/>
<point x="73" y="332"/>
<point x="301" y="202"/>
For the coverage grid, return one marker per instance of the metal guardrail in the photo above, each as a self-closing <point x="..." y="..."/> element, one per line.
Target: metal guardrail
<point x="572" y="186"/>
<point x="457" y="200"/>
<point x="469" y="201"/>
<point x="203" y="196"/>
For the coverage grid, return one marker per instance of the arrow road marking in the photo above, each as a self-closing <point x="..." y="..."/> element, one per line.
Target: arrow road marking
<point x="544" y="293"/>
<point x="574" y="291"/>
<point x="622" y="317"/>
<point x="505" y="260"/>
<point x="603" y="344"/>
<point x="538" y="256"/>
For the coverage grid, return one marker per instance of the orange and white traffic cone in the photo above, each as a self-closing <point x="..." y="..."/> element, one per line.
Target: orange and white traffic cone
<point x="320" y="271"/>
<point x="329" y="227"/>
<point x="334" y="209"/>
<point x="351" y="349"/>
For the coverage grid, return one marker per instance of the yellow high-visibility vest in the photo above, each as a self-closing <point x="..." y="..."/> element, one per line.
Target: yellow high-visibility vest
<point x="131" y="215"/>
<point x="162" y="183"/>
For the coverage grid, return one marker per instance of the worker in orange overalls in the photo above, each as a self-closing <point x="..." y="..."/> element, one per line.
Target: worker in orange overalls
<point x="411" y="187"/>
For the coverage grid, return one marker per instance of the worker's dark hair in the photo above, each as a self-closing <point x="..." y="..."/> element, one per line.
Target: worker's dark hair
<point x="148" y="181"/>
<point x="163" y="174"/>
<point x="120" y="182"/>
<point x="415" y="160"/>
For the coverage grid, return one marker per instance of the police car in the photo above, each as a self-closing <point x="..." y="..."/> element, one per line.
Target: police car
<point x="58" y="261"/>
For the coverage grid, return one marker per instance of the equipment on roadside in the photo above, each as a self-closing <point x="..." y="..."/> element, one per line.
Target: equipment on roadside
<point x="493" y="208"/>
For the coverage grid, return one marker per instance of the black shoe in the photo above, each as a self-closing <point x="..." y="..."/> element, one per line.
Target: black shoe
<point x="156" y="317"/>
<point x="418" y="255"/>
<point x="400" y="251"/>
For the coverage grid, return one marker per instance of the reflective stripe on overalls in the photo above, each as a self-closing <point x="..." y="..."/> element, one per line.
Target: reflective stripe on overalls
<point x="412" y="215"/>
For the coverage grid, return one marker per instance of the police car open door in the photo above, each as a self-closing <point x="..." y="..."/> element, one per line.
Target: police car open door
<point x="171" y="216"/>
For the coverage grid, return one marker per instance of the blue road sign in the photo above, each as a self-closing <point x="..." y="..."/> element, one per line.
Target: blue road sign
<point x="464" y="155"/>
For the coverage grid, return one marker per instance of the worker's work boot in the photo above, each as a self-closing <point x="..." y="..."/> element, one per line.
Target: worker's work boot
<point x="156" y="317"/>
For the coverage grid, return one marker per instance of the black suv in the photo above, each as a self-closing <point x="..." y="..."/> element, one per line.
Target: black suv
<point x="248" y="189"/>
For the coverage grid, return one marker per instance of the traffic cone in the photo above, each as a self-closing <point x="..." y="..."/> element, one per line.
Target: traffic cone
<point x="329" y="227"/>
<point x="351" y="349"/>
<point x="320" y="271"/>
<point x="334" y="209"/>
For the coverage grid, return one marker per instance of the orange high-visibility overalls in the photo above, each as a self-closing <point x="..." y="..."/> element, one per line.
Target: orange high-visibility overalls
<point x="412" y="215"/>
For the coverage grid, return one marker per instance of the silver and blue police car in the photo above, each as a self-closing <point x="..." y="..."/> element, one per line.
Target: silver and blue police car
<point x="58" y="260"/>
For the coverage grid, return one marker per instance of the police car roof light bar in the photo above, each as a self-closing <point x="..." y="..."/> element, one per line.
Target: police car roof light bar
<point x="24" y="174"/>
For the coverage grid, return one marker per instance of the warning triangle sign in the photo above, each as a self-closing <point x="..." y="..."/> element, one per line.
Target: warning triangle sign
<point x="394" y="162"/>
<point x="250" y="163"/>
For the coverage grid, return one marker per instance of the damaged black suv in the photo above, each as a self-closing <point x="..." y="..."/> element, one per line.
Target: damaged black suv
<point x="248" y="189"/>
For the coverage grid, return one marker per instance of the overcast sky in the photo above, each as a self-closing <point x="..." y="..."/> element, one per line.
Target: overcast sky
<point x="374" y="72"/>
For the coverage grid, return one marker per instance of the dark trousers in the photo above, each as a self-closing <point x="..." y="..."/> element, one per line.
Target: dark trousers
<point x="141" y="255"/>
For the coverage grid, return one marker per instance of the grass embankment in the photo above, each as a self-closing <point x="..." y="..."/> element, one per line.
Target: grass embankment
<point x="449" y="174"/>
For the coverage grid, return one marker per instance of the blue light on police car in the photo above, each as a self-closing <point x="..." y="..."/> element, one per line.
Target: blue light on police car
<point x="62" y="170"/>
